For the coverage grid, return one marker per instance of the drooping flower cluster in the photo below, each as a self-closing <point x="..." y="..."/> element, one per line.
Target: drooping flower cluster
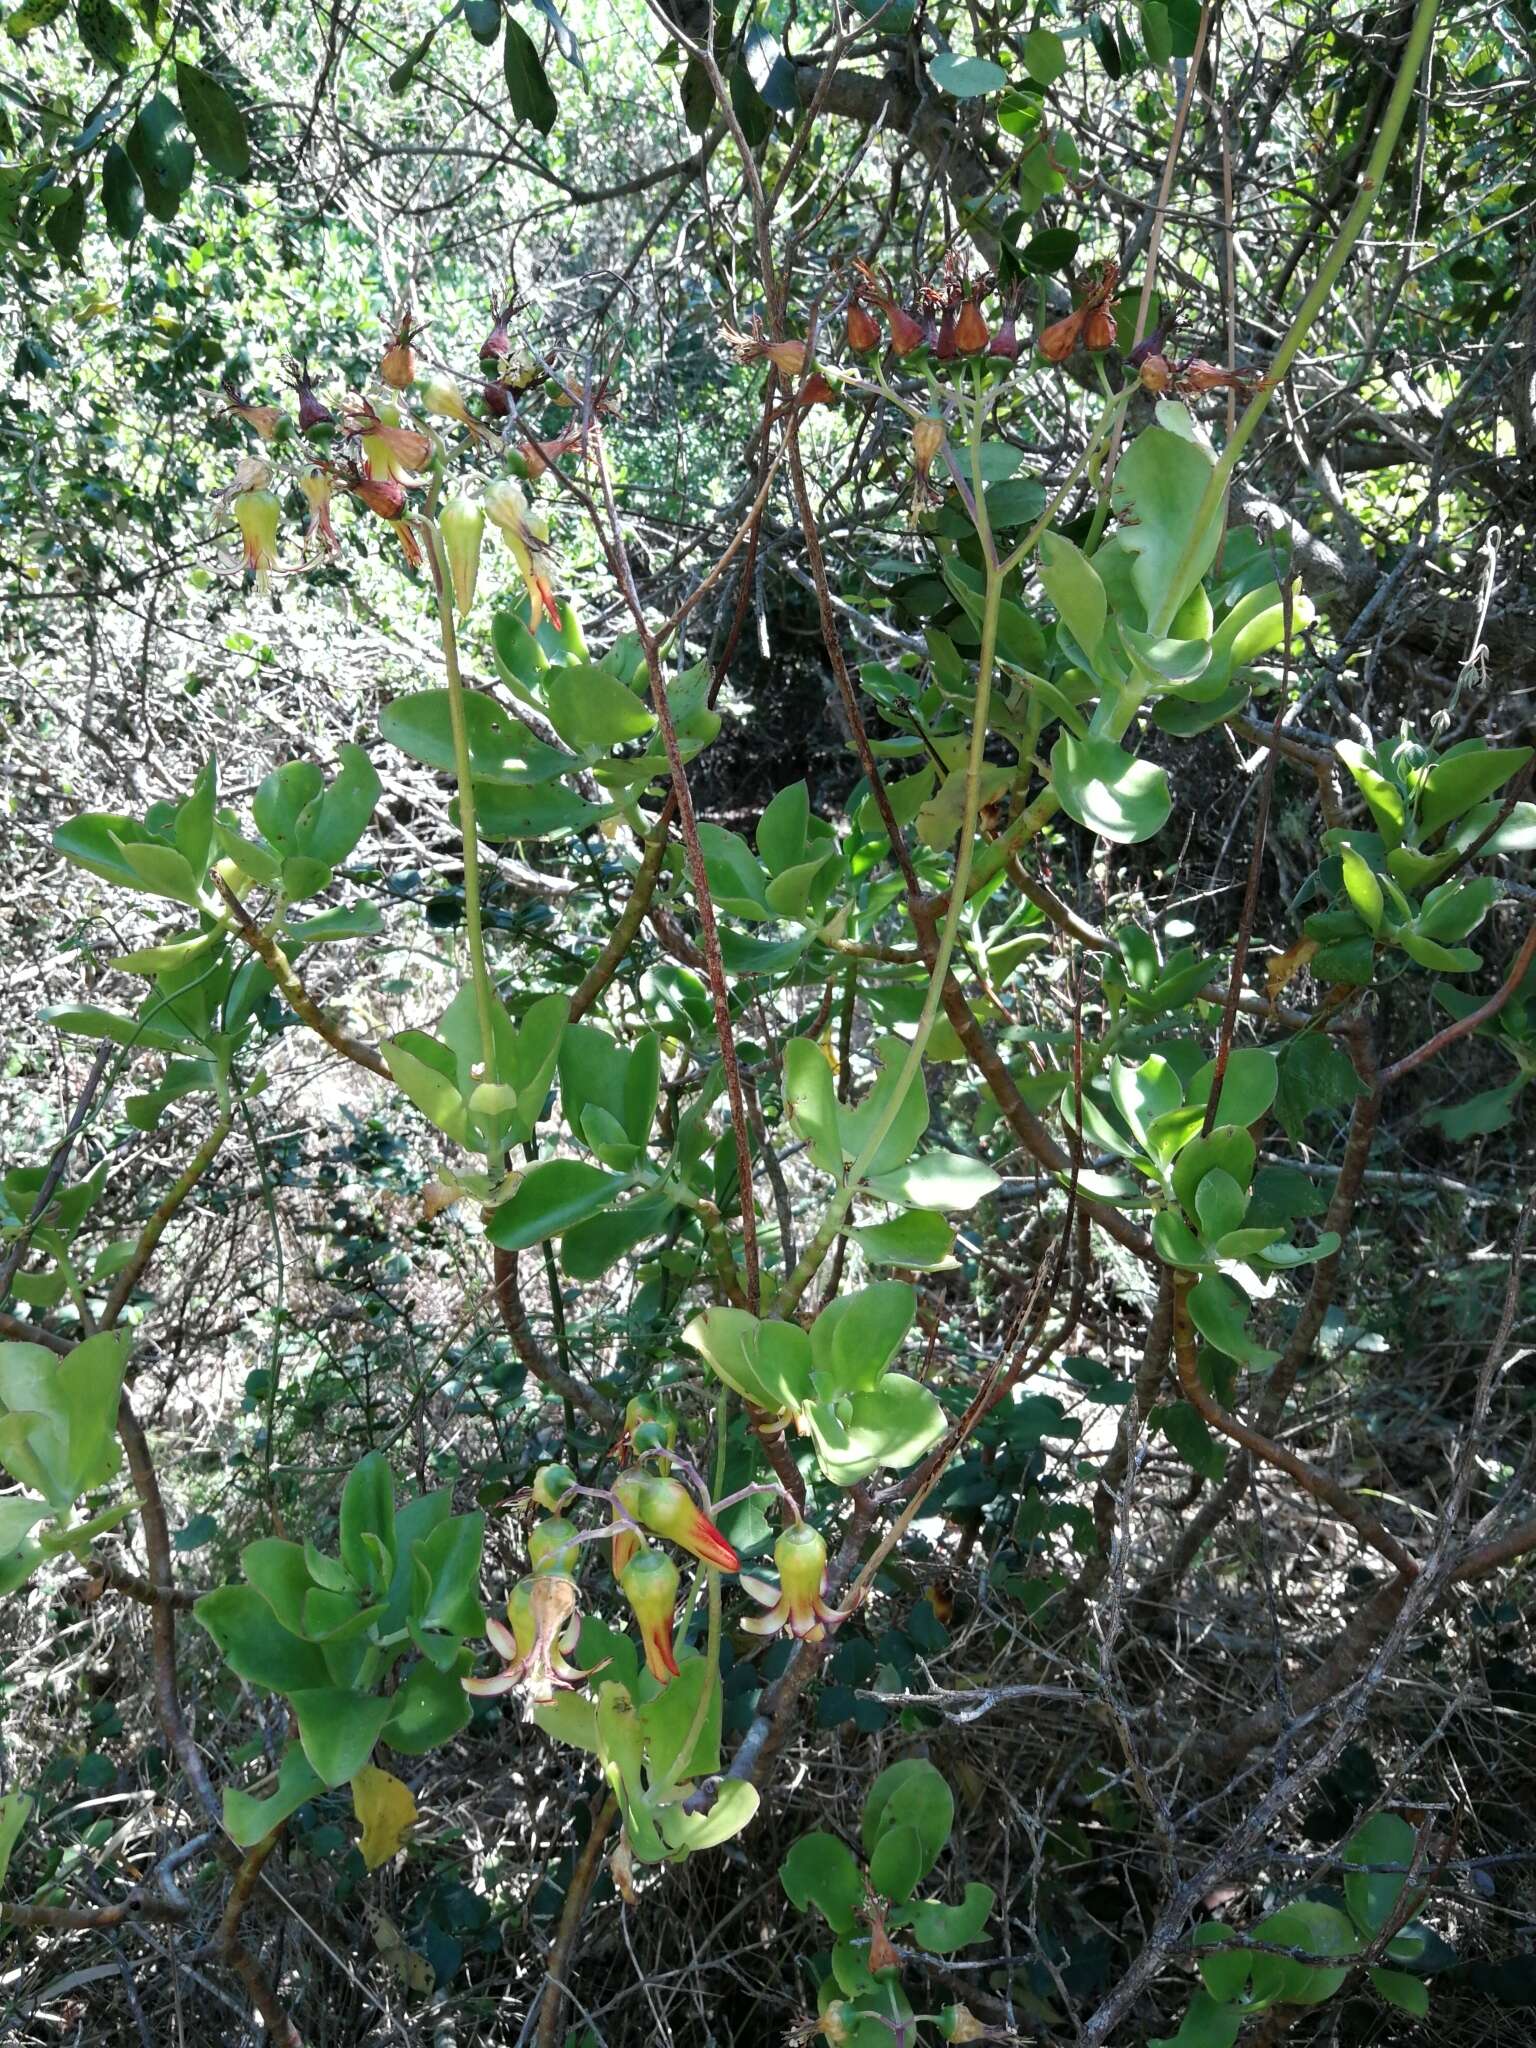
<point x="383" y="449"/>
<point x="543" y="1623"/>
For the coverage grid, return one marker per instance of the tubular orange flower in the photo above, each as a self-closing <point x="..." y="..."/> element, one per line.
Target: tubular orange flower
<point x="798" y="1602"/>
<point x="381" y="495"/>
<point x="650" y="1585"/>
<point x="907" y="333"/>
<point x="264" y="420"/>
<point x="398" y="367"/>
<point x="526" y="533"/>
<point x="1098" y="328"/>
<point x="544" y="1625"/>
<point x="863" y="329"/>
<point x="787" y="357"/>
<point x="667" y="1508"/>
<point x="390" y="450"/>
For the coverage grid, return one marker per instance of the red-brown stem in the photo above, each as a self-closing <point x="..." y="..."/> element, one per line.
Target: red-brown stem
<point x="703" y="901"/>
<point x="1318" y="1484"/>
<point x="1463" y="1025"/>
<point x="563" y="1950"/>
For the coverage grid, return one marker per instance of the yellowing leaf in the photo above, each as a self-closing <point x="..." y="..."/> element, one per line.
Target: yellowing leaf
<point x="1284" y="967"/>
<point x="386" y="1809"/>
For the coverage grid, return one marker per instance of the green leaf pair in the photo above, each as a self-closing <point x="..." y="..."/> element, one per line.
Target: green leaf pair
<point x="833" y="1380"/>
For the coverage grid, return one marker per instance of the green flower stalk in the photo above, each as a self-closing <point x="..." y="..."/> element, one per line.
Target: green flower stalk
<point x="650" y="1583"/>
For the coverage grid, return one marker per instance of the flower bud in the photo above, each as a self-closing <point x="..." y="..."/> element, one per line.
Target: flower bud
<point x="971" y="331"/>
<point x="787" y="357"/>
<point x="907" y="334"/>
<point x="650" y="1584"/>
<point x="552" y="1547"/>
<point x="643" y="1408"/>
<point x="652" y="1436"/>
<point x="257" y="514"/>
<point x="442" y="396"/>
<point x="863" y="329"/>
<point x="497" y="345"/>
<point x="927" y="442"/>
<point x="313" y="414"/>
<point x="1098" y="328"/>
<point x="945" y="347"/>
<point x="551" y="1485"/>
<point x="462" y="525"/>
<point x="1005" y="343"/>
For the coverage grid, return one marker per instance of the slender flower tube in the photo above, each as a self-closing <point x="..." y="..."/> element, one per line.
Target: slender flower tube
<point x="667" y="1508"/>
<point x="650" y="1585"/>
<point x="798" y="1602"/>
<point x="462" y="525"/>
<point x="320" y="534"/>
<point x="526" y="533"/>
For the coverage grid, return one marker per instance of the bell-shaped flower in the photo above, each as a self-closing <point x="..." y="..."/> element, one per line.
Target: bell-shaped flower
<point x="542" y="1625"/>
<point x="667" y="1508"/>
<point x="526" y="534"/>
<point x="257" y="513"/>
<point x="650" y="1583"/>
<point x="798" y="1602"/>
<point x="462" y="523"/>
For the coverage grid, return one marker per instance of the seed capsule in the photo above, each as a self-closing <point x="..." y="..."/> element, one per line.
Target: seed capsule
<point x="907" y="334"/>
<point x="927" y="442"/>
<point x="863" y="329"/>
<point x="971" y="331"/>
<point x="1098" y="328"/>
